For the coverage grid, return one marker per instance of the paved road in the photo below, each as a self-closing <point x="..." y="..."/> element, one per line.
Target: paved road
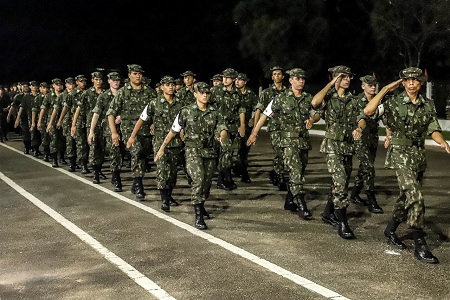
<point x="62" y="237"/>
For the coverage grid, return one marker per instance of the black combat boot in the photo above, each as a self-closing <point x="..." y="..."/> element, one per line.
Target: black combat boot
<point x="100" y="167"/>
<point x="172" y="201"/>
<point x="72" y="164"/>
<point x="47" y="154"/>
<point x="96" y="179"/>
<point x="228" y="179"/>
<point x="27" y="148"/>
<point x="282" y="184"/>
<point x="204" y="212"/>
<point x="139" y="188"/>
<point x="355" y="198"/>
<point x="373" y="205"/>
<point x="199" y="221"/>
<point x="62" y="160"/>
<point x="344" y="230"/>
<point x="391" y="236"/>
<point x="55" y="160"/>
<point x="37" y="152"/>
<point x="165" y="199"/>
<point x="84" y="167"/>
<point x="273" y="177"/>
<point x="328" y="213"/>
<point x="221" y="183"/>
<point x="289" y="203"/>
<point x="421" y="251"/>
<point x="116" y="181"/>
<point x="302" y="211"/>
<point x="245" y="177"/>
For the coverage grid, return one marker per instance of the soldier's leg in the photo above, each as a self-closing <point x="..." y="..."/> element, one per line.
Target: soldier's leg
<point x="196" y="170"/>
<point x="244" y="150"/>
<point x="115" y="160"/>
<point x="369" y="180"/>
<point x="361" y="151"/>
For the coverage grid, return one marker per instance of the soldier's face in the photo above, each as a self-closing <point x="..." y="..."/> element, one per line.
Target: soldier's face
<point x="412" y="85"/>
<point x="135" y="77"/>
<point x="369" y="88"/>
<point x="277" y="76"/>
<point x="297" y="83"/>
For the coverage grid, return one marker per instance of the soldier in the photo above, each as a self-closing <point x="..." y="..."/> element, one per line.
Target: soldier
<point x="161" y="111"/>
<point x="186" y="94"/>
<point x="24" y="101"/>
<point x="36" y="139"/>
<point x="179" y="84"/>
<point x="5" y="101"/>
<point x="47" y="108"/>
<point x="410" y="117"/>
<point x="216" y="79"/>
<point x="99" y="133"/>
<point x="276" y="175"/>
<point x="203" y="128"/>
<point x="44" y="89"/>
<point x="129" y="102"/>
<point x="250" y="99"/>
<point x="68" y="108"/>
<point x="228" y="101"/>
<point x="366" y="151"/>
<point x="292" y="109"/>
<point x="341" y="113"/>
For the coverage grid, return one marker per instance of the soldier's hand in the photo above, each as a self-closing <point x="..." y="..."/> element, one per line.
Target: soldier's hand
<point x="393" y="85"/>
<point x="357" y="133"/>
<point x="130" y="142"/>
<point x="182" y="134"/>
<point x="241" y="131"/>
<point x="90" y="138"/>
<point x="118" y="120"/>
<point x="58" y="125"/>
<point x="152" y="129"/>
<point x="309" y="123"/>
<point x="49" y="128"/>
<point x="73" y="130"/>
<point x="115" y="139"/>
<point x="387" y="142"/>
<point x="16" y="123"/>
<point x="446" y="147"/>
<point x="158" y="155"/>
<point x="251" y="139"/>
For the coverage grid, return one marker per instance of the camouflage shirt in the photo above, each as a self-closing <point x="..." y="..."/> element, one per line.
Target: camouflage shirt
<point x="267" y="95"/>
<point x="86" y="101"/>
<point x="47" y="106"/>
<point x="229" y="104"/>
<point x="370" y="133"/>
<point x="102" y="105"/>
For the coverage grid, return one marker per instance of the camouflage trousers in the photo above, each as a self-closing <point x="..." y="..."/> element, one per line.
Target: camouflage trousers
<point x="26" y="135"/>
<point x="293" y="163"/>
<point x="340" y="168"/>
<point x="201" y="170"/>
<point x="82" y="144"/>
<point x="226" y="153"/>
<point x="45" y="138"/>
<point x="166" y="167"/>
<point x="36" y="139"/>
<point x="410" y="205"/>
<point x="140" y="151"/>
<point x="278" y="164"/>
<point x="56" y="139"/>
<point x="365" y="176"/>
<point x="97" y="148"/>
<point x="115" y="153"/>
<point x="71" y="144"/>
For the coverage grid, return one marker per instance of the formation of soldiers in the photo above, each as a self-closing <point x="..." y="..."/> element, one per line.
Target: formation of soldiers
<point x="190" y="125"/>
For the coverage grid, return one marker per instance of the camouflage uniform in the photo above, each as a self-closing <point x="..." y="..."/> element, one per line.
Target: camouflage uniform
<point x="266" y="96"/>
<point x="69" y="104"/>
<point x="24" y="100"/>
<point x="129" y="103"/>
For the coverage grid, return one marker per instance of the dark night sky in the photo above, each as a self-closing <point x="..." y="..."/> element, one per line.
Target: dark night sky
<point x="46" y="39"/>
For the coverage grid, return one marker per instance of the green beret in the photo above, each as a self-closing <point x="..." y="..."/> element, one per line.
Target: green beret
<point x="296" y="72"/>
<point x="188" y="73"/>
<point x="369" y="79"/>
<point x="242" y="76"/>
<point x="230" y="73"/>
<point x="135" y="68"/>
<point x="412" y="72"/>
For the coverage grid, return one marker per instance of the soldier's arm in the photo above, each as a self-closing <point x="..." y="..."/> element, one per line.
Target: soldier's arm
<point x="136" y="129"/>
<point x="74" y="121"/>
<point x="94" y="121"/>
<point x="438" y="138"/>
<point x="61" y="116"/>
<point x="170" y="135"/>
<point x="52" y="118"/>
<point x="371" y="107"/>
<point x="318" y="98"/>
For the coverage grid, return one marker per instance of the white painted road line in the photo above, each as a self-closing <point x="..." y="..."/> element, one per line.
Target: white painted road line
<point x="297" y="279"/>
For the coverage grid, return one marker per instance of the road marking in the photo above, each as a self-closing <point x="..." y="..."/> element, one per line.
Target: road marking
<point x="131" y="272"/>
<point x="297" y="279"/>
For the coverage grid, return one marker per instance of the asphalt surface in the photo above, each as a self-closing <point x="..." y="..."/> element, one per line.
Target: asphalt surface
<point x="62" y="237"/>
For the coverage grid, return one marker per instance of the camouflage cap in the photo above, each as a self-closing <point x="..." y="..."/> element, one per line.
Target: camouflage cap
<point x="230" y="73"/>
<point x="146" y="80"/>
<point x="158" y="84"/>
<point x="24" y="83"/>
<point x="217" y="77"/>
<point x="96" y="74"/>
<point x="369" y="79"/>
<point x="412" y="72"/>
<point x="167" y="79"/>
<point x="242" y="76"/>
<point x="56" y="81"/>
<point x="276" y="68"/>
<point x="188" y="73"/>
<point x="340" y="69"/>
<point x="135" y="68"/>
<point x="34" y="82"/>
<point x="113" y="76"/>
<point x="69" y="80"/>
<point x="202" y="87"/>
<point x="179" y="81"/>
<point x="80" y="78"/>
<point x="44" y="84"/>
<point x="296" y="72"/>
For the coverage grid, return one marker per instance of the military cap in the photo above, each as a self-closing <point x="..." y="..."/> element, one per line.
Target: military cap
<point x="369" y="79"/>
<point x="340" y="69"/>
<point x="146" y="80"/>
<point x="69" y="80"/>
<point x="242" y="76"/>
<point x="217" y="77"/>
<point x="44" y="84"/>
<point x="34" y="82"/>
<point x="167" y="79"/>
<point x="57" y="81"/>
<point x="96" y="74"/>
<point x="80" y="78"/>
<point x="412" y="72"/>
<point x="276" y="68"/>
<point x="158" y="84"/>
<point x="179" y="81"/>
<point x="202" y="87"/>
<point x="113" y="76"/>
<point x="135" y="68"/>
<point x="230" y="72"/>
<point x="188" y="73"/>
<point x="24" y="83"/>
<point x="296" y="72"/>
